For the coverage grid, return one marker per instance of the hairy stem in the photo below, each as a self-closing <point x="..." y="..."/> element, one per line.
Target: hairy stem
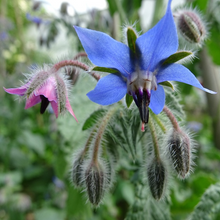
<point x="158" y="121"/>
<point x="100" y="132"/>
<point x="75" y="63"/>
<point x="88" y="142"/>
<point x="172" y="118"/>
<point x="154" y="139"/>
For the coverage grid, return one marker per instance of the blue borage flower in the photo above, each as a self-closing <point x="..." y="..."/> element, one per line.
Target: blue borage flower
<point x="139" y="73"/>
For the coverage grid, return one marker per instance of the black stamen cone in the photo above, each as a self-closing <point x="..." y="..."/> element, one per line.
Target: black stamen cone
<point x="44" y="104"/>
<point x="143" y="100"/>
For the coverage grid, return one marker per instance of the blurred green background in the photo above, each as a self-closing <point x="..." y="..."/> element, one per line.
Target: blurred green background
<point x="36" y="150"/>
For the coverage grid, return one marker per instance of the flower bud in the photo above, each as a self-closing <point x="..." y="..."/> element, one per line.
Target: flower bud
<point x="77" y="171"/>
<point x="191" y="26"/>
<point x="157" y="178"/>
<point x="95" y="182"/>
<point x="180" y="152"/>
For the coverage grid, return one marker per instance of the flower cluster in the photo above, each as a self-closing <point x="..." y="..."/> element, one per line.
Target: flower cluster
<point x="139" y="70"/>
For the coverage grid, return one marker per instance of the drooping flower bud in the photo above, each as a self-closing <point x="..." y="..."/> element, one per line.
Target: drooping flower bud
<point x="45" y="86"/>
<point x="95" y="180"/>
<point x="180" y="152"/>
<point x="191" y="26"/>
<point x="77" y="171"/>
<point x="157" y="178"/>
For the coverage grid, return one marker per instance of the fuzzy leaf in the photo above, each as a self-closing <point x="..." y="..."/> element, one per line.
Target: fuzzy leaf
<point x="209" y="205"/>
<point x="129" y="100"/>
<point x="131" y="38"/>
<point x="177" y="56"/>
<point x="104" y="69"/>
<point x="168" y="84"/>
<point x="91" y="121"/>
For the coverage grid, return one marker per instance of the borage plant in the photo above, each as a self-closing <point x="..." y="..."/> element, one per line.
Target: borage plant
<point x="152" y="134"/>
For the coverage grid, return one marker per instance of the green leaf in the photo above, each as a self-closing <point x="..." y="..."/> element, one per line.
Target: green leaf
<point x="76" y="206"/>
<point x="104" y="69"/>
<point x="209" y="205"/>
<point x="93" y="118"/>
<point x="131" y="38"/>
<point x="202" y="5"/>
<point x="177" y="56"/>
<point x="129" y="100"/>
<point x="168" y="84"/>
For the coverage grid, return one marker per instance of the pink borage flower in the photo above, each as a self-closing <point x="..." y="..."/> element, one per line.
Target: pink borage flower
<point x="45" y="87"/>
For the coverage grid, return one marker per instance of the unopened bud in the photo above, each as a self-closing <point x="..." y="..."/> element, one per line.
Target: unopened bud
<point x="180" y="152"/>
<point x="191" y="26"/>
<point x="77" y="171"/>
<point x="95" y="182"/>
<point x="157" y="178"/>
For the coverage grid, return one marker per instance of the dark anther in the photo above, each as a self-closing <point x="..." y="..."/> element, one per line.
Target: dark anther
<point x="143" y="101"/>
<point x="44" y="104"/>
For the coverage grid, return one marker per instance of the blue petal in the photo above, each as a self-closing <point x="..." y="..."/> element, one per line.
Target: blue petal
<point x="159" y="42"/>
<point x="157" y="100"/>
<point x="104" y="51"/>
<point x="109" y="89"/>
<point x="177" y="72"/>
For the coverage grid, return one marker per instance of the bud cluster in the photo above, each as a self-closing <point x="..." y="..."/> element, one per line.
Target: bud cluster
<point x="171" y="151"/>
<point x="90" y="171"/>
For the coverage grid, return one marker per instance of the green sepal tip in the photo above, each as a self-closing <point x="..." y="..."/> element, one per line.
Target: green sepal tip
<point x="168" y="84"/>
<point x="131" y="38"/>
<point x="129" y="100"/>
<point x="179" y="55"/>
<point x="104" y="69"/>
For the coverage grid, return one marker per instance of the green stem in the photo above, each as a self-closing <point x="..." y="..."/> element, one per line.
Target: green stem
<point x="154" y="139"/>
<point x="158" y="121"/>
<point x="100" y="132"/>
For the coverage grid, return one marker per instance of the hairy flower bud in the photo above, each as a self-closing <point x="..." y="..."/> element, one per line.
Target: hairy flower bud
<point x="157" y="178"/>
<point x="76" y="173"/>
<point x="95" y="182"/>
<point x="191" y="26"/>
<point x="180" y="152"/>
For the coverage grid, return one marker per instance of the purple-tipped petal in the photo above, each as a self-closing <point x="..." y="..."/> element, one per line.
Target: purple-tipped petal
<point x="104" y="51"/>
<point x="159" y="42"/>
<point x="109" y="89"/>
<point x="177" y="72"/>
<point x="17" y="91"/>
<point x="32" y="100"/>
<point x="69" y="108"/>
<point x="157" y="100"/>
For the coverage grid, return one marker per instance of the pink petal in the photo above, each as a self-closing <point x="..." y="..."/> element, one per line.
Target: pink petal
<point x="48" y="90"/>
<point x="69" y="108"/>
<point x="55" y="108"/>
<point x="16" y="91"/>
<point x="32" y="100"/>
